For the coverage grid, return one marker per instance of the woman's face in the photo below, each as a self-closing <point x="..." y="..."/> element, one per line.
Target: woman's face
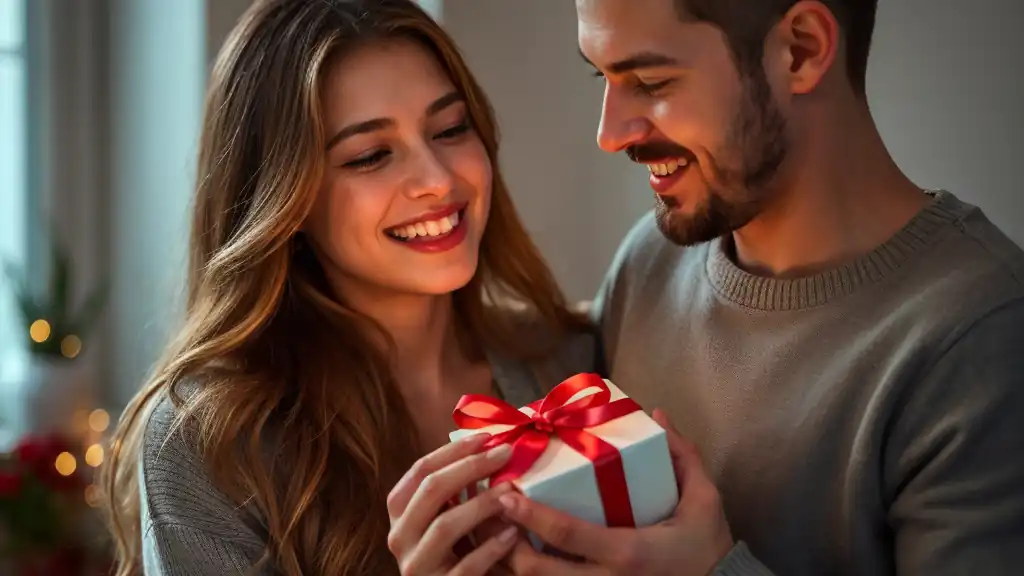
<point x="407" y="189"/>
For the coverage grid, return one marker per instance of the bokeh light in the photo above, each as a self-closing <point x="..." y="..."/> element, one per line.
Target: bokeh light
<point x="66" y="464"/>
<point x="39" y="331"/>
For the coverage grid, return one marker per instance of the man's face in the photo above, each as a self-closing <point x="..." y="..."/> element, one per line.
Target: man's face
<point x="713" y="137"/>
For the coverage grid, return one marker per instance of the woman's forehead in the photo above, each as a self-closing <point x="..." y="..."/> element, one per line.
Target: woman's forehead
<point x="393" y="78"/>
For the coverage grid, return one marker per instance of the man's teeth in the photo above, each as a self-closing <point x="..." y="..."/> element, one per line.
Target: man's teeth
<point x="668" y="168"/>
<point x="438" y="227"/>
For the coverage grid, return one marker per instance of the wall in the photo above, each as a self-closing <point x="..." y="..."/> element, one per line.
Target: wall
<point x="433" y="7"/>
<point x="577" y="201"/>
<point x="221" y="17"/>
<point x="66" y="118"/>
<point x="157" y="63"/>
<point x="946" y="85"/>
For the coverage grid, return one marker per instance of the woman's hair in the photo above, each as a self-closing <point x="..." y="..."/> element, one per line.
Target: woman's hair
<point x="285" y="391"/>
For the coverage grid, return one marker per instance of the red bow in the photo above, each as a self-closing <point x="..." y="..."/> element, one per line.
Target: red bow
<point x="529" y="436"/>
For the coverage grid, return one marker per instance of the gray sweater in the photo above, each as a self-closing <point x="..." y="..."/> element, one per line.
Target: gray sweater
<point x="867" y="420"/>
<point x="190" y="528"/>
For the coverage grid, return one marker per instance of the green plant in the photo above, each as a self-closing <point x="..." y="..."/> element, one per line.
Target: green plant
<point x="53" y="326"/>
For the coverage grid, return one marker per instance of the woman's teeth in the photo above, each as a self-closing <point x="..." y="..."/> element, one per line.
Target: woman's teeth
<point x="667" y="168"/>
<point x="438" y="227"/>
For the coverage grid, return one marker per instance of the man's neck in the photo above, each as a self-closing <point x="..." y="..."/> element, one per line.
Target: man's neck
<point x="842" y="196"/>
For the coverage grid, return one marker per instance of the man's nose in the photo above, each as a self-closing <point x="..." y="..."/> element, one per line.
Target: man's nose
<point x="621" y="126"/>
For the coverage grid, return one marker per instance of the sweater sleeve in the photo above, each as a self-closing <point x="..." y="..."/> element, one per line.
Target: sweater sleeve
<point x="188" y="526"/>
<point x="954" y="469"/>
<point x="740" y="562"/>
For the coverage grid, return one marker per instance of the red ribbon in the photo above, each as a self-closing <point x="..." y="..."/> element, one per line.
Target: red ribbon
<point x="529" y="436"/>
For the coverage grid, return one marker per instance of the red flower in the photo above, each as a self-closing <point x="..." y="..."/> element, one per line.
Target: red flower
<point x="10" y="484"/>
<point x="64" y="561"/>
<point x="40" y="450"/>
<point x="38" y="454"/>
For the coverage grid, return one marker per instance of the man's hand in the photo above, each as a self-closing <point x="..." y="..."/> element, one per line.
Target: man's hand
<point x="690" y="543"/>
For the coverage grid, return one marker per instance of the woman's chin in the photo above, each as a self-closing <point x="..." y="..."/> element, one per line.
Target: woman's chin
<point x="440" y="281"/>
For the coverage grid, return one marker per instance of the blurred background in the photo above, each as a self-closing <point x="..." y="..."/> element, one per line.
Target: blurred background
<point x="100" y="104"/>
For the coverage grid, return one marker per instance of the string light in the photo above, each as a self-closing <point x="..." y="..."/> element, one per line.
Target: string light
<point x="99" y="420"/>
<point x="65" y="464"/>
<point x="39" y="331"/>
<point x="92" y="495"/>
<point x="94" y="455"/>
<point x="70" y="346"/>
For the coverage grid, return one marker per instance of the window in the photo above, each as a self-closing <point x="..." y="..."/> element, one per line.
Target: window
<point x="13" y="157"/>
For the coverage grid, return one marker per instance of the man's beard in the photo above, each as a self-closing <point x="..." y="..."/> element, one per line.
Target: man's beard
<point x="757" y="137"/>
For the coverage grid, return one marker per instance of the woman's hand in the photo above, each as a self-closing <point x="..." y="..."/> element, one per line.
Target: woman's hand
<point x="422" y="539"/>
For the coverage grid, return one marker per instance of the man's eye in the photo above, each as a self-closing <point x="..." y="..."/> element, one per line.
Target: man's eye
<point x="653" y="88"/>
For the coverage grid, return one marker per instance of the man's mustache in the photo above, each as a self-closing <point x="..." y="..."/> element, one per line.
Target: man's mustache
<point x="649" y="152"/>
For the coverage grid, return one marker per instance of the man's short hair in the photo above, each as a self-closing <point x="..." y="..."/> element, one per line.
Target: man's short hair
<point x="746" y="24"/>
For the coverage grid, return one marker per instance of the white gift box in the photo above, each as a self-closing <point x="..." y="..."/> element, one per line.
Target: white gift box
<point x="564" y="479"/>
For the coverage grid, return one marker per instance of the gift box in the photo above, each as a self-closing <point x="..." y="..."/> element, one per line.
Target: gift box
<point x="585" y="449"/>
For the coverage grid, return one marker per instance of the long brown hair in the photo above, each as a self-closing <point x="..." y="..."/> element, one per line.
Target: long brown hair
<point x="270" y="352"/>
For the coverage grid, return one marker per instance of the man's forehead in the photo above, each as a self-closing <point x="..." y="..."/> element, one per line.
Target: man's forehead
<point x="609" y="30"/>
<point x="632" y="14"/>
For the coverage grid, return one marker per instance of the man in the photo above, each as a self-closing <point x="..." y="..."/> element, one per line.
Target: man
<point x="843" y="347"/>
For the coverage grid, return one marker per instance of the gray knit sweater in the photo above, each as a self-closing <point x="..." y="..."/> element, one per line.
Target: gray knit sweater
<point x="190" y="528"/>
<point x="867" y="420"/>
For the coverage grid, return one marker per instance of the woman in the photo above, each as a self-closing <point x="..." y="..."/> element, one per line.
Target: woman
<point x="350" y="242"/>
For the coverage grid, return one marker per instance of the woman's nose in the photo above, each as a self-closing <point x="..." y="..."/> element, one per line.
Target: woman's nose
<point x="432" y="176"/>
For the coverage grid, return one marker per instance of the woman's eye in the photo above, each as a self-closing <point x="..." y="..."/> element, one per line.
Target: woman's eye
<point x="368" y="161"/>
<point x="372" y="160"/>
<point x="454" y="131"/>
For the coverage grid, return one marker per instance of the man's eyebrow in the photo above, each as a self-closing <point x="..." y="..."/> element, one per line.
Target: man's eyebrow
<point x="435" y="108"/>
<point x="637" y="61"/>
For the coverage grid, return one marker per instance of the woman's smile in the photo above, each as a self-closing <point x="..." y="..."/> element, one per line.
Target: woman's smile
<point x="436" y="231"/>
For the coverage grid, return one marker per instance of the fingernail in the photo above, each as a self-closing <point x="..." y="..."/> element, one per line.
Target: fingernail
<point x="508" y="502"/>
<point x="504" y="487"/>
<point x="508" y="535"/>
<point x="478" y="438"/>
<point x="499" y="452"/>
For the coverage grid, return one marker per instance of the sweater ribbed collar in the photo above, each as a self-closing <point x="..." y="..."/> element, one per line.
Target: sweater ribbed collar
<point x="772" y="294"/>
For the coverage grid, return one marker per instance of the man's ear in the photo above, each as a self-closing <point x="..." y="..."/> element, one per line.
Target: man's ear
<point x="807" y="39"/>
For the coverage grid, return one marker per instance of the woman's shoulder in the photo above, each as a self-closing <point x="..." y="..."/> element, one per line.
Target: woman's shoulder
<point x="167" y="450"/>
<point x="179" y="502"/>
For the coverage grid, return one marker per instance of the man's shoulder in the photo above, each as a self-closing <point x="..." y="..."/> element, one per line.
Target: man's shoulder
<point x="989" y="248"/>
<point x="642" y="243"/>
<point x="645" y="252"/>
<point x="976" y="268"/>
